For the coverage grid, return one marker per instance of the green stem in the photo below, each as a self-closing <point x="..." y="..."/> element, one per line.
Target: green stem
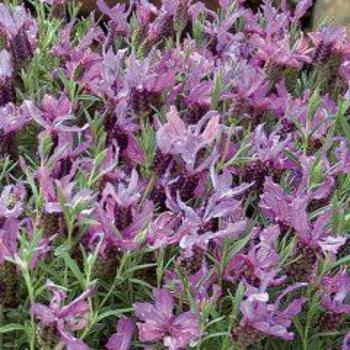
<point x="30" y="289"/>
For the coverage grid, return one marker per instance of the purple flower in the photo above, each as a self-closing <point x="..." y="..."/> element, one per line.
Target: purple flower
<point x="118" y="16"/>
<point x="11" y="207"/>
<point x="159" y="323"/>
<point x="270" y="318"/>
<point x="202" y="283"/>
<point x="335" y="291"/>
<point x="275" y="202"/>
<point x="316" y="233"/>
<point x="277" y="51"/>
<point x="12" y="120"/>
<point x="271" y="149"/>
<point x="199" y="227"/>
<point x="260" y="264"/>
<point x="52" y="114"/>
<point x="20" y="30"/>
<point x="329" y="40"/>
<point x="176" y="138"/>
<point x="163" y="230"/>
<point x="302" y="8"/>
<point x="120" y="216"/>
<point x="147" y="82"/>
<point x="346" y="342"/>
<point x="121" y="340"/>
<point x="64" y="319"/>
<point x="7" y="91"/>
<point x="145" y="12"/>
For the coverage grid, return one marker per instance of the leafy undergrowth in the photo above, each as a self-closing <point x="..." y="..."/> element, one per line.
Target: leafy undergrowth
<point x="173" y="178"/>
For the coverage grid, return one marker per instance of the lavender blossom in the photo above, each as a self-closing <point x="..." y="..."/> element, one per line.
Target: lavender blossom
<point x="20" y="30"/>
<point x="159" y="322"/>
<point x="65" y="320"/>
<point x="269" y="318"/>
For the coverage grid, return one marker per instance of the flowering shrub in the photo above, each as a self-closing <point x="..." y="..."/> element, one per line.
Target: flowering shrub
<point x="173" y="178"/>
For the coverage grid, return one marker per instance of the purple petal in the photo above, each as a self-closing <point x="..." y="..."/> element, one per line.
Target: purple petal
<point x="43" y="313"/>
<point x="121" y="340"/>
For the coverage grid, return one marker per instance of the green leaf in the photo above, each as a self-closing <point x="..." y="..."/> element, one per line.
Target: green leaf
<point x="316" y="173"/>
<point x="100" y="158"/>
<point x="72" y="266"/>
<point x="11" y="327"/>
<point x="215" y="97"/>
<point x="314" y="103"/>
<point x="237" y="300"/>
<point x="341" y="119"/>
<point x="110" y="313"/>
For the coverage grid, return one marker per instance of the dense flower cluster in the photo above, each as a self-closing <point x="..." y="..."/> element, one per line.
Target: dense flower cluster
<point x="173" y="177"/>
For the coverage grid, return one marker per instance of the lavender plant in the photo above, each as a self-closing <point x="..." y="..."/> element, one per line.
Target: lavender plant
<point x="173" y="177"/>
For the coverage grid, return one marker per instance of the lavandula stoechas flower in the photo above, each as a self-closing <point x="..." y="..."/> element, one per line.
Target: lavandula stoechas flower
<point x="20" y="30"/>
<point x="334" y="291"/>
<point x="11" y="207"/>
<point x="262" y="318"/>
<point x="62" y="321"/>
<point x="159" y="323"/>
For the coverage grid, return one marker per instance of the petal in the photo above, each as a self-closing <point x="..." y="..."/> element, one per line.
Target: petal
<point x="121" y="340"/>
<point x="43" y="313"/>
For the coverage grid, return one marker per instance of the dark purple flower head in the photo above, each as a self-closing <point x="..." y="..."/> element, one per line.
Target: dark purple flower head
<point x="121" y="340"/>
<point x="270" y="318"/>
<point x="15" y="20"/>
<point x="64" y="319"/>
<point x="329" y="40"/>
<point x="145" y="12"/>
<point x="335" y="291"/>
<point x="158" y="322"/>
